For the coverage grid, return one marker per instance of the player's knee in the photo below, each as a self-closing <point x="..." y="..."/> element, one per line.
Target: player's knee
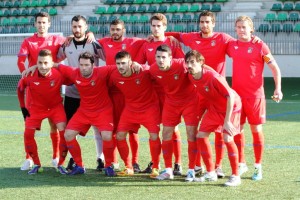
<point x="69" y="135"/>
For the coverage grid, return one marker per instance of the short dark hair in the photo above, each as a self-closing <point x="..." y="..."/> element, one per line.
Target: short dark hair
<point x="88" y="56"/>
<point x="116" y="22"/>
<point x="45" y="52"/>
<point x="42" y="14"/>
<point x="76" y="18"/>
<point x="164" y="48"/>
<point x="122" y="54"/>
<point x="193" y="53"/>
<point x="207" y="13"/>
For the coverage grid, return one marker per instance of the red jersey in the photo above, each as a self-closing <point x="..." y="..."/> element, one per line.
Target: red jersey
<point x="31" y="47"/>
<point x="248" y="65"/>
<point x="148" y="50"/>
<point x="175" y="82"/>
<point x="214" y="88"/>
<point x="93" y="90"/>
<point x="44" y="91"/>
<point x="213" y="49"/>
<point x="137" y="89"/>
<point x="111" y="48"/>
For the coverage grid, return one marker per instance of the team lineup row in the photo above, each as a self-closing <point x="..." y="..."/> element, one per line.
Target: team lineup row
<point x="183" y="85"/>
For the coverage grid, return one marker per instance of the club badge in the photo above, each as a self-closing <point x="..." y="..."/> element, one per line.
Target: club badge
<point x="52" y="83"/>
<point x="137" y="81"/>
<point x="92" y="82"/>
<point x="206" y="88"/>
<point x="176" y="76"/>
<point x="250" y="49"/>
<point x="213" y="43"/>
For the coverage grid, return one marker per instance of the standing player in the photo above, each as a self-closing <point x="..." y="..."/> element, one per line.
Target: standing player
<point x="72" y="51"/>
<point x="247" y="80"/>
<point x="111" y="46"/>
<point x="181" y="100"/>
<point x="158" y="24"/>
<point x="223" y="114"/>
<point x="141" y="108"/>
<point x="30" y="49"/>
<point x="45" y="102"/>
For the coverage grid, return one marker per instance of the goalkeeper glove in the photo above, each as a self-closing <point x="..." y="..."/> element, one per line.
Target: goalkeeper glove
<point x="25" y="113"/>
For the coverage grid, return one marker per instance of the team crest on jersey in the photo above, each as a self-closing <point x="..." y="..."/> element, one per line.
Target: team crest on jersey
<point x="250" y="49"/>
<point x="52" y="83"/>
<point x="137" y="81"/>
<point x="123" y="46"/>
<point x="150" y="49"/>
<point x="206" y="88"/>
<point x="78" y="82"/>
<point x="92" y="83"/>
<point x="176" y="76"/>
<point x="36" y="83"/>
<point x="213" y="43"/>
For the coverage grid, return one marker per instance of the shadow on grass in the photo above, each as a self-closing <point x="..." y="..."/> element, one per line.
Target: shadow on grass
<point x="15" y="178"/>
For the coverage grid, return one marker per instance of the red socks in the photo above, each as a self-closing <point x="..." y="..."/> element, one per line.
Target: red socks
<point x="124" y="152"/>
<point x="192" y="153"/>
<point x="115" y="150"/>
<point x="219" y="148"/>
<point x="155" y="149"/>
<point x="134" y="146"/>
<point x="55" y="144"/>
<point x="108" y="151"/>
<point x="176" y="137"/>
<point x="167" y="150"/>
<point x="30" y="146"/>
<point x="75" y="151"/>
<point x="63" y="150"/>
<point x="258" y="146"/>
<point x="233" y="157"/>
<point x="203" y="146"/>
<point x="239" y="140"/>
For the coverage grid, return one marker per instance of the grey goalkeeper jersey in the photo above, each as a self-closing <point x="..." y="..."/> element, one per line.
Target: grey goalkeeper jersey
<point x="72" y="53"/>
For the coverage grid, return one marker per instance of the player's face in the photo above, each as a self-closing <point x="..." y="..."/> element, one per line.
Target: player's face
<point x="193" y="66"/>
<point x="206" y="25"/>
<point x="243" y="30"/>
<point x="157" y="28"/>
<point x="86" y="67"/>
<point x="117" y="32"/>
<point x="78" y="29"/>
<point x="44" y="64"/>
<point x="42" y="25"/>
<point x="163" y="60"/>
<point x="123" y="65"/>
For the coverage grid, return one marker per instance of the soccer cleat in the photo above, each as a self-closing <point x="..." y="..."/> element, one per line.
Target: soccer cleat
<point x="62" y="170"/>
<point x="70" y="165"/>
<point x="136" y="168"/>
<point x="148" y="170"/>
<point x="116" y="167"/>
<point x="233" y="181"/>
<point x="220" y="172"/>
<point x="36" y="169"/>
<point x="154" y="173"/>
<point x="177" y="171"/>
<point x="109" y="171"/>
<point x="199" y="171"/>
<point x="100" y="165"/>
<point x="207" y="177"/>
<point x="77" y="170"/>
<point x="190" y="176"/>
<point x="54" y="162"/>
<point x="126" y="172"/>
<point x="164" y="175"/>
<point x="257" y="175"/>
<point x="242" y="168"/>
<point x="28" y="163"/>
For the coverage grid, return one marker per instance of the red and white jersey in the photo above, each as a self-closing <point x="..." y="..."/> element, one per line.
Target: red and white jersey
<point x="248" y="65"/>
<point x="175" y="82"/>
<point x="147" y="52"/>
<point x="44" y="91"/>
<point x="137" y="89"/>
<point x="31" y="47"/>
<point x="215" y="90"/>
<point x="213" y="49"/>
<point x="111" y="48"/>
<point x="93" y="91"/>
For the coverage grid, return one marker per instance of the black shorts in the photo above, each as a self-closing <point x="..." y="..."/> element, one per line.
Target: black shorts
<point x="71" y="105"/>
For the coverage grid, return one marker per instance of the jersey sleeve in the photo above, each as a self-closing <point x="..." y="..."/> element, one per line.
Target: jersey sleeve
<point x="266" y="54"/>
<point x="22" y="55"/>
<point x="61" y="53"/>
<point x="137" y="47"/>
<point x="21" y="92"/>
<point x="221" y="85"/>
<point x="98" y="50"/>
<point x="140" y="57"/>
<point x="176" y="35"/>
<point x="67" y="71"/>
<point x="178" y="52"/>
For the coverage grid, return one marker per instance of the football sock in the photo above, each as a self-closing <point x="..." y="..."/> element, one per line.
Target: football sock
<point x="75" y="151"/>
<point x="124" y="152"/>
<point x="55" y="144"/>
<point x="219" y="148"/>
<point x="198" y="158"/>
<point x="115" y="150"/>
<point x="167" y="150"/>
<point x="233" y="157"/>
<point x="108" y="150"/>
<point x="134" y="146"/>
<point x="63" y="150"/>
<point x="176" y="137"/>
<point x="99" y="144"/>
<point x="258" y="146"/>
<point x="203" y="146"/>
<point x="155" y="149"/>
<point x="192" y="153"/>
<point x="239" y="140"/>
<point x="30" y="146"/>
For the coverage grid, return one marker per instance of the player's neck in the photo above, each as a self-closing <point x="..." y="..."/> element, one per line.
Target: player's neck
<point x="207" y="35"/>
<point x="159" y="38"/>
<point x="245" y="39"/>
<point x="42" y="34"/>
<point x="79" y="39"/>
<point x="127" y="74"/>
<point x="198" y="75"/>
<point x="119" y="40"/>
